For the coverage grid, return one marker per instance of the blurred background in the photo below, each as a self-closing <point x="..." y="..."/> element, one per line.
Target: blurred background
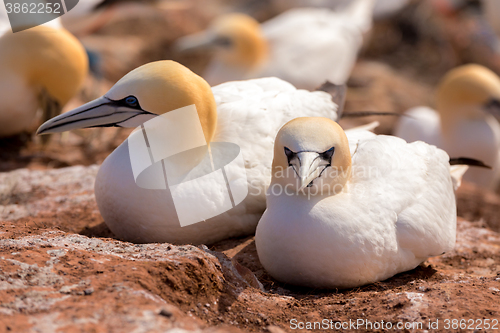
<point x="406" y="49"/>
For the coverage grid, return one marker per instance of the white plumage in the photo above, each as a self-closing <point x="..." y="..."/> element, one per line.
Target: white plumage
<point x="5" y="24"/>
<point x="396" y="210"/>
<point x="304" y="46"/>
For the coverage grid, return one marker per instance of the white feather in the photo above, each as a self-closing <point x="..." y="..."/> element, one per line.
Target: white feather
<point x="250" y="114"/>
<point x="399" y="209"/>
<point x="478" y="139"/>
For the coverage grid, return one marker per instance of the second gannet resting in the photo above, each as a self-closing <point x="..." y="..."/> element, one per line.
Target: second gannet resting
<point x="40" y="68"/>
<point x="304" y="46"/>
<point x="347" y="210"/>
<point x="247" y="113"/>
<point x="462" y="124"/>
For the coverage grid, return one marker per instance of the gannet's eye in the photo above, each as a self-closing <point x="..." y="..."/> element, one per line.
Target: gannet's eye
<point x="493" y="104"/>
<point x="327" y="155"/>
<point x="289" y="155"/>
<point x="223" y="41"/>
<point x="131" y="101"/>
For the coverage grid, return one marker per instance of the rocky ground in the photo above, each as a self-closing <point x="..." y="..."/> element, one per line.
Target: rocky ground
<point x="62" y="270"/>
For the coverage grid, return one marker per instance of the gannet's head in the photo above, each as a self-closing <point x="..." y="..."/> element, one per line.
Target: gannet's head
<point x="467" y="91"/>
<point x="313" y="154"/>
<point x="235" y="38"/>
<point x="141" y="95"/>
<point x="51" y="61"/>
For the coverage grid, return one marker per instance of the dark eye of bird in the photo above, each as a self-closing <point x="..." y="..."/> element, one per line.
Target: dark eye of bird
<point x="493" y="103"/>
<point x="131" y="100"/>
<point x="327" y="155"/>
<point x="289" y="155"/>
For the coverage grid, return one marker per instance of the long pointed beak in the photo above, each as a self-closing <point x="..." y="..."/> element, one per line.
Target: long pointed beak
<point x="309" y="168"/>
<point x="102" y="112"/>
<point x="200" y="41"/>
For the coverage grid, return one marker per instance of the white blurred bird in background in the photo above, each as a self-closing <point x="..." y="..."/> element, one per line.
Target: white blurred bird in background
<point x="303" y="46"/>
<point x="41" y="69"/>
<point x="382" y="8"/>
<point x="463" y="123"/>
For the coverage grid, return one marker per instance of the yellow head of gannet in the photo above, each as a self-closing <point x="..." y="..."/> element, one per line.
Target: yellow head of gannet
<point x="465" y="92"/>
<point x="147" y="91"/>
<point x="40" y="67"/>
<point x="236" y="39"/>
<point x="317" y="150"/>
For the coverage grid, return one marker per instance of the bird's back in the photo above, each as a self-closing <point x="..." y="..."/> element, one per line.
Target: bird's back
<point x="250" y="114"/>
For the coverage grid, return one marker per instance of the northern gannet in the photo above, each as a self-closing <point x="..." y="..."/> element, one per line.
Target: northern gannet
<point x="304" y="46"/>
<point x="40" y="68"/>
<point x="348" y="210"/>
<point x="247" y="113"/>
<point x="462" y="124"/>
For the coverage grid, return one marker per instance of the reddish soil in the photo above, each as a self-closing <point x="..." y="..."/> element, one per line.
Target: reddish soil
<point x="61" y="270"/>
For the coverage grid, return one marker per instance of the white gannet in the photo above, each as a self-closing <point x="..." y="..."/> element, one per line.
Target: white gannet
<point x="247" y="113"/>
<point x="462" y="123"/>
<point x="382" y="8"/>
<point x="344" y="211"/>
<point x="40" y="68"/>
<point x="304" y="46"/>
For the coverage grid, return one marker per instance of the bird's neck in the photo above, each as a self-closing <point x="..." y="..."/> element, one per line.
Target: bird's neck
<point x="454" y="116"/>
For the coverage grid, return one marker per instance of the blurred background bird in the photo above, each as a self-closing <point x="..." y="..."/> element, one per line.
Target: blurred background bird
<point x="358" y="208"/>
<point x="41" y="68"/>
<point x="464" y="123"/>
<point x="246" y="113"/>
<point x="304" y="46"/>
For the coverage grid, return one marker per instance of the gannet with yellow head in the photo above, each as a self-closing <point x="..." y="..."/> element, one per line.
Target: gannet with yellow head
<point x="346" y="209"/>
<point x="247" y="113"/>
<point x="305" y="46"/>
<point x="40" y="68"/>
<point x="463" y="124"/>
